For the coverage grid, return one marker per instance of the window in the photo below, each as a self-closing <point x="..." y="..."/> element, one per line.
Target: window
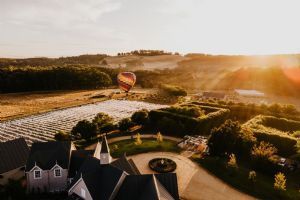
<point x="82" y="193"/>
<point x="37" y="174"/>
<point x="57" y="173"/>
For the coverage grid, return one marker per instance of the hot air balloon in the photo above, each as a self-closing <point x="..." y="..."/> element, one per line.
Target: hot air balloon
<point x="126" y="81"/>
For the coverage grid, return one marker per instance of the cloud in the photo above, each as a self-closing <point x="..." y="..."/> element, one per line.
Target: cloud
<point x="55" y="13"/>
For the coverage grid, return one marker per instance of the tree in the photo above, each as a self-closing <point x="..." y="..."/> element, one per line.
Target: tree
<point x="103" y="122"/>
<point x="231" y="138"/>
<point x="125" y="124"/>
<point x="61" y="136"/>
<point x="280" y="182"/>
<point x="85" y="129"/>
<point x="159" y="137"/>
<point x="140" y="117"/>
<point x="138" y="139"/>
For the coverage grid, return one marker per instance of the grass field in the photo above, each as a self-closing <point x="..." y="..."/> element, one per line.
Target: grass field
<point x="148" y="145"/>
<point x="262" y="188"/>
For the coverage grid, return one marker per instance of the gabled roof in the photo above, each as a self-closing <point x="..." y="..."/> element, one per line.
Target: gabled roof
<point x="100" y="180"/>
<point x="149" y="187"/>
<point x="13" y="154"/>
<point x="169" y="181"/>
<point x="47" y="154"/>
<point x="104" y="145"/>
<point x="138" y="187"/>
<point x="126" y="165"/>
<point x="77" y="159"/>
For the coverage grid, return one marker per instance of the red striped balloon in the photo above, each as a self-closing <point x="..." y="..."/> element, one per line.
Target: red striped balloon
<point x="126" y="80"/>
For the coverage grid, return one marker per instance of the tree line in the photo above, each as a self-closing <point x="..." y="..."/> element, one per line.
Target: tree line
<point x="16" y="79"/>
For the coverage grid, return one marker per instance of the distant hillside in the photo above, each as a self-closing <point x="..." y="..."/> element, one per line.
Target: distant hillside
<point x="275" y="74"/>
<point x="274" y="80"/>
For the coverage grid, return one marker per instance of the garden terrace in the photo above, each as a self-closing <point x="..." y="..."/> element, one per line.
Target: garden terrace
<point x="276" y="131"/>
<point x="171" y="122"/>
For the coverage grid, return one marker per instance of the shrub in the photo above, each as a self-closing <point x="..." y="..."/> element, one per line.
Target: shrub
<point x="252" y="176"/>
<point x="61" y="136"/>
<point x="85" y="129"/>
<point x="138" y="140"/>
<point x="232" y="161"/>
<point x="280" y="182"/>
<point x="159" y="137"/>
<point x="262" y="157"/>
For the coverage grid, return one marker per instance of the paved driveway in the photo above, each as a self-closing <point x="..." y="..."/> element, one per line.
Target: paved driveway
<point x="194" y="182"/>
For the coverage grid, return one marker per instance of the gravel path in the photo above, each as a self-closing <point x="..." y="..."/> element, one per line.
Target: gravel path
<point x="194" y="182"/>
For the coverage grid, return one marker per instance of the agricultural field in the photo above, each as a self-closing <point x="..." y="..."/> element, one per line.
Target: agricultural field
<point x="16" y="105"/>
<point x="42" y="127"/>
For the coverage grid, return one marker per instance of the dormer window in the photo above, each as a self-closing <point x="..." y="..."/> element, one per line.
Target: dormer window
<point x="57" y="173"/>
<point x="37" y="174"/>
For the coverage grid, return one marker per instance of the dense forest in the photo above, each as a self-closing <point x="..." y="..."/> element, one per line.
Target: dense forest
<point x="14" y="79"/>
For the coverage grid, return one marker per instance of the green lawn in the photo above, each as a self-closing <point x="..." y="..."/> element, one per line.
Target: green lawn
<point x="148" y="145"/>
<point x="262" y="188"/>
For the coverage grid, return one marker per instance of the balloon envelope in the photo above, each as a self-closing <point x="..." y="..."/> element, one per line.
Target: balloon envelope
<point x="126" y="80"/>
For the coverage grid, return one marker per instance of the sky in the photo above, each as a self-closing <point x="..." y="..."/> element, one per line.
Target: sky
<point x="55" y="28"/>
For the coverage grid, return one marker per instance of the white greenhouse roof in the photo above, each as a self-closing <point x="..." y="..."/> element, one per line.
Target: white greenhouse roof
<point x="249" y="93"/>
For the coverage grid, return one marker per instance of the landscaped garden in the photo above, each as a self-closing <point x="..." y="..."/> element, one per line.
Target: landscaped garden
<point x="130" y="147"/>
<point x="249" y="181"/>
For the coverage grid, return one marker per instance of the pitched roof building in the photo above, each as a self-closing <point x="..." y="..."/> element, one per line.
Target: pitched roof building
<point x="57" y="166"/>
<point x="13" y="156"/>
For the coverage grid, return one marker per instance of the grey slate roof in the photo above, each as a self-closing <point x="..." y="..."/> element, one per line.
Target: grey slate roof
<point x="99" y="179"/>
<point x="143" y="187"/>
<point x="126" y="165"/>
<point x="13" y="154"/>
<point x="47" y="154"/>
<point x="77" y="159"/>
<point x="138" y="187"/>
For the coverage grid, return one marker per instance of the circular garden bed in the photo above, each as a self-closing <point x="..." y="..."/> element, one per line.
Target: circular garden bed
<point x="162" y="165"/>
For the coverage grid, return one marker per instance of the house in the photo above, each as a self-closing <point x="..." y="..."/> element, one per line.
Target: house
<point x="85" y="174"/>
<point x="48" y="165"/>
<point x="13" y="156"/>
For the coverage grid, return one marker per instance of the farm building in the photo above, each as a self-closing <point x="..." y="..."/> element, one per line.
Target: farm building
<point x="13" y="156"/>
<point x="249" y="93"/>
<point x="214" y="95"/>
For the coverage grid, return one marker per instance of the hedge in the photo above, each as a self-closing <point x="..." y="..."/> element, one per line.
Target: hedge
<point x="190" y="125"/>
<point x="285" y="144"/>
<point x="281" y="123"/>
